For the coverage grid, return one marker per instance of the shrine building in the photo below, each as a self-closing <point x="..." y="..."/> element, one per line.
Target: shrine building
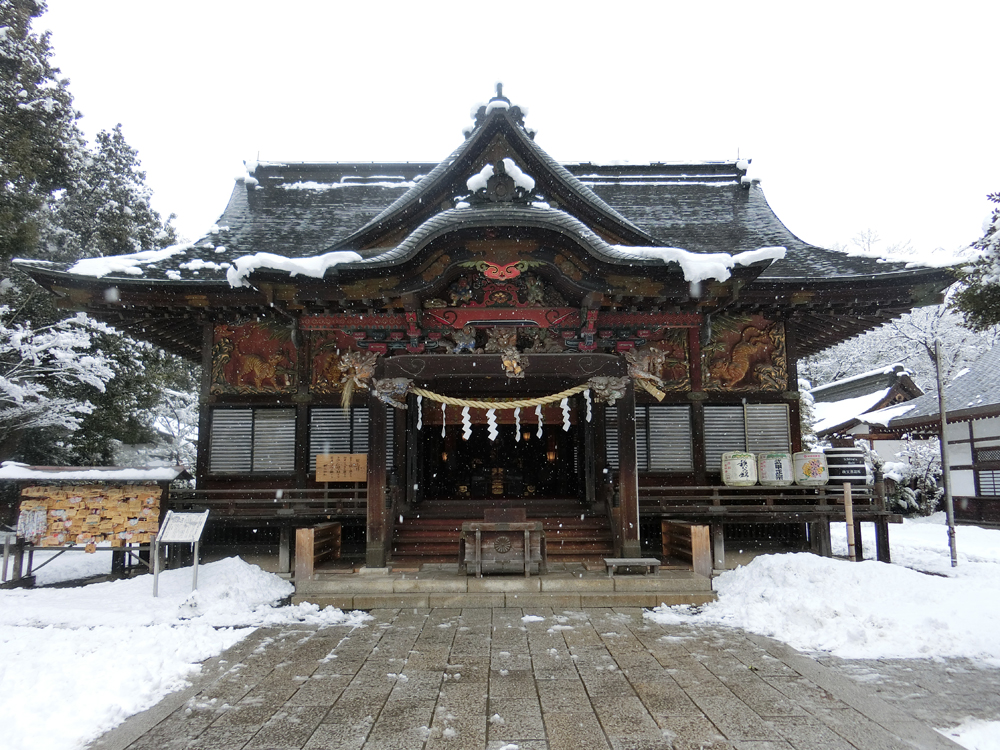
<point x="400" y="346"/>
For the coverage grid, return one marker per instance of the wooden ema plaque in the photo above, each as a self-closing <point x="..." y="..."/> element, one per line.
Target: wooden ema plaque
<point x="342" y="467"/>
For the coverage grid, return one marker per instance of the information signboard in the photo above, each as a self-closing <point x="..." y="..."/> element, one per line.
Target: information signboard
<point x="342" y="467"/>
<point x="182" y="528"/>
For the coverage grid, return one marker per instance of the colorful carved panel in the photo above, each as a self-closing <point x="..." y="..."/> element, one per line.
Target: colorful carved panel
<point x="498" y="286"/>
<point x="746" y="353"/>
<point x="253" y="358"/>
<point x="336" y="361"/>
<point x="662" y="367"/>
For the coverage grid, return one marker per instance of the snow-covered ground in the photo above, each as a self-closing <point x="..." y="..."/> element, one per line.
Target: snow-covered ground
<point x="109" y="650"/>
<point x="75" y="662"/>
<point x="917" y="607"/>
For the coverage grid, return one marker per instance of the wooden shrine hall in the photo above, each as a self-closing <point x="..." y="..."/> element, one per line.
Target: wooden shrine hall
<point x="406" y="346"/>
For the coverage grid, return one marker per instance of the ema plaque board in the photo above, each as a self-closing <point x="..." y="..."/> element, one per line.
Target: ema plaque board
<point x="342" y="467"/>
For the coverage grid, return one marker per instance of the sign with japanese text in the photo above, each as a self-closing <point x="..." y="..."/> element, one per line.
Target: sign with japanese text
<point x="342" y="467"/>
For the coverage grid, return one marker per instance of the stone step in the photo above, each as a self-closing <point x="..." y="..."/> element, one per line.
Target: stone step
<point x="443" y="586"/>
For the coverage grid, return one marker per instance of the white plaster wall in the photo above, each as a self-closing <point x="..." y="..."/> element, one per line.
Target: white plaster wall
<point x="963" y="483"/>
<point x="959" y="454"/>
<point x="989" y="427"/>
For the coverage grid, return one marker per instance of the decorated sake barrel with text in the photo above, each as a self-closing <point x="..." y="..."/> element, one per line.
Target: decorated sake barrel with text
<point x="847" y="465"/>
<point x="810" y="469"/>
<point x="739" y="469"/>
<point x="775" y="469"/>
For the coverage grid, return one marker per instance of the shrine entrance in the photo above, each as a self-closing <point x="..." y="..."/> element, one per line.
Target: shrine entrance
<point x="520" y="462"/>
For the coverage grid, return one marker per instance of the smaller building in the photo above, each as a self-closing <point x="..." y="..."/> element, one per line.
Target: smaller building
<point x="841" y="408"/>
<point x="972" y="401"/>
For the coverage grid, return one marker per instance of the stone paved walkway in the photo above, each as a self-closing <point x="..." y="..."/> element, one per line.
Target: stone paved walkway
<point x="486" y="678"/>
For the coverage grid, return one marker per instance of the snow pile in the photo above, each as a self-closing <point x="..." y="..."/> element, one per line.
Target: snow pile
<point x="111" y="650"/>
<point x="315" y="266"/>
<point x="869" y="610"/>
<point x="975" y="734"/>
<point x="704" y="266"/>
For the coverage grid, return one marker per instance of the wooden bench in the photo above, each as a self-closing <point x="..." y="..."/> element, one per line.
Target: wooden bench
<point x="649" y="563"/>
<point x="313" y="545"/>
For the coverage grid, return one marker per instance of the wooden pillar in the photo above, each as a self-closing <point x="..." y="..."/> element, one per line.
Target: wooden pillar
<point x="718" y="547"/>
<point x="628" y="475"/>
<point x="204" y="408"/>
<point x="376" y="537"/>
<point x="819" y="538"/>
<point x="859" y="549"/>
<point x="285" y="550"/>
<point x="591" y="471"/>
<point x="882" y="540"/>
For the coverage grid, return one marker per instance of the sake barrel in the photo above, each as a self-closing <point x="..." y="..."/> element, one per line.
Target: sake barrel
<point x="739" y="469"/>
<point x="847" y="465"/>
<point x="775" y="469"/>
<point x="810" y="469"/>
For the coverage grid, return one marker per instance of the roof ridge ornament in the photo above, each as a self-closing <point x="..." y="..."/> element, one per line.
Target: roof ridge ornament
<point x="499" y="103"/>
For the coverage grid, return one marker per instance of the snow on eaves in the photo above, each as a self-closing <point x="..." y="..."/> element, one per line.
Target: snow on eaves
<point x="704" y="266"/>
<point x="315" y="266"/>
<point x="131" y="264"/>
<point x="15" y="470"/>
<point x="885" y="416"/>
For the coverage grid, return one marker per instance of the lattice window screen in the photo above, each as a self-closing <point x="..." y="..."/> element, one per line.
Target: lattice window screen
<point x="989" y="483"/>
<point x="231" y="447"/>
<point x="244" y="441"/>
<point x="725" y="431"/>
<point x="670" y="447"/>
<point x="611" y="436"/>
<point x="274" y="440"/>
<point x="767" y="428"/>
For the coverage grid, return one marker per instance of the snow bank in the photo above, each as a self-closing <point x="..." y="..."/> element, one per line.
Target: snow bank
<point x="975" y="734"/>
<point x="110" y="650"/>
<point x="230" y="593"/>
<point x="866" y="610"/>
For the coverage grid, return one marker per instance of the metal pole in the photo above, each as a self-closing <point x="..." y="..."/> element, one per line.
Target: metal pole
<point x="194" y="576"/>
<point x="949" y="505"/>
<point x="156" y="567"/>
<point x="852" y="553"/>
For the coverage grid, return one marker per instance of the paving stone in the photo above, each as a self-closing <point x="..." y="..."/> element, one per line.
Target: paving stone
<point x="734" y="719"/>
<point x="415" y="677"/>
<point x="289" y="728"/>
<point x="574" y="730"/>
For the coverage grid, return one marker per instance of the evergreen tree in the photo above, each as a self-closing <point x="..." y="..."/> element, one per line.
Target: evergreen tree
<point x="107" y="211"/>
<point x="40" y="144"/>
<point x="979" y="297"/>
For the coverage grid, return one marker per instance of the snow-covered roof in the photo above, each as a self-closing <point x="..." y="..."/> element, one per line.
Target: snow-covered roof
<point x="18" y="471"/>
<point x="844" y="403"/>
<point x="975" y="394"/>
<point x="831" y="414"/>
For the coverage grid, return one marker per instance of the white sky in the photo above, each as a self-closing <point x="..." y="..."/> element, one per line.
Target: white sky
<point x="857" y="115"/>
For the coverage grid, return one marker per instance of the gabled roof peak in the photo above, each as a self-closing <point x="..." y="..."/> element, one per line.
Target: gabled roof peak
<point x="499" y="106"/>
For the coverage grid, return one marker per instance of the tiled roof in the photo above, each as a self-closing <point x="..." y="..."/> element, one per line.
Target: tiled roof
<point x="307" y="209"/>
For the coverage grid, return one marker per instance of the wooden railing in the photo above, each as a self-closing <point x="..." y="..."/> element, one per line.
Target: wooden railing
<point x="262" y="504"/>
<point x="760" y="504"/>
